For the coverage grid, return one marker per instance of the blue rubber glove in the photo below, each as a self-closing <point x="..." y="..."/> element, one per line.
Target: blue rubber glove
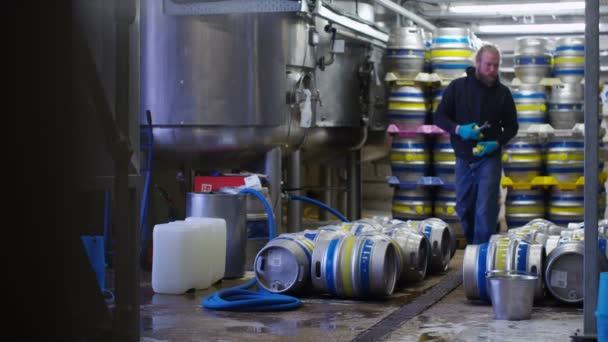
<point x="485" y="148"/>
<point x="469" y="131"/>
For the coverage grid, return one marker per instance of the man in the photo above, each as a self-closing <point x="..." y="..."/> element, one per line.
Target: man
<point x="479" y="113"/>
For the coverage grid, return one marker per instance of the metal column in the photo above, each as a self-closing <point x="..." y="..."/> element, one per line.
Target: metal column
<point x="591" y="277"/>
<point x="354" y="186"/>
<point x="325" y="178"/>
<point x="272" y="169"/>
<point x="294" y="181"/>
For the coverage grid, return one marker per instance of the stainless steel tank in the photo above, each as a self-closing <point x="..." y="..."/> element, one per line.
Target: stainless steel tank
<point x="532" y="59"/>
<point x="569" y="60"/>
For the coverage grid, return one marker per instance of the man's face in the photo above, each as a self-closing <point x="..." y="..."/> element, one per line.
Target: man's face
<point x="487" y="67"/>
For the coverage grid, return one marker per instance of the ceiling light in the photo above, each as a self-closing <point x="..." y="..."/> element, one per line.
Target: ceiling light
<point x="537" y="28"/>
<point x="521" y="8"/>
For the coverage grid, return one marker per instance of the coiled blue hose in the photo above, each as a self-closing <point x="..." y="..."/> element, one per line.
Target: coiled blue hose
<point x="238" y="298"/>
<point x="319" y="204"/>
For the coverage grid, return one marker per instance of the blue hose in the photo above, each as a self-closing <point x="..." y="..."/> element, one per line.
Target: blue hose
<point x="319" y="204"/>
<point x="238" y="298"/>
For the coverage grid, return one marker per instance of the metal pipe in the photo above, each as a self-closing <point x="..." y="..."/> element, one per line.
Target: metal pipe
<point x="325" y="177"/>
<point x="591" y="277"/>
<point x="272" y="169"/>
<point x="294" y="181"/>
<point x="402" y="11"/>
<point x="354" y="185"/>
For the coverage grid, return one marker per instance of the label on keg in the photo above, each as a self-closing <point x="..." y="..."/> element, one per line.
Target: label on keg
<point x="276" y="261"/>
<point x="559" y="279"/>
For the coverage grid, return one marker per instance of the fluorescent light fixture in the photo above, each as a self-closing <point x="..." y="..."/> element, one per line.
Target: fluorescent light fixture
<point x="521" y="8"/>
<point x="536" y="28"/>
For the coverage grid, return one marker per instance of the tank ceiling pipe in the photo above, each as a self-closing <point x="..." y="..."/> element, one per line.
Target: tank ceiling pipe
<point x="591" y="275"/>
<point x="272" y="166"/>
<point x="294" y="181"/>
<point x="402" y="11"/>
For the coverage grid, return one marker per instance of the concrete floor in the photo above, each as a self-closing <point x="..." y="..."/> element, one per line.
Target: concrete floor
<point x="322" y="318"/>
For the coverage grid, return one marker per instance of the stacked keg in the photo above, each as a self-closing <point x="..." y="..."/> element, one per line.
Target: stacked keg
<point x="451" y="52"/>
<point x="532" y="59"/>
<point x="405" y="55"/>
<point x="531" y="104"/>
<point x="407" y="106"/>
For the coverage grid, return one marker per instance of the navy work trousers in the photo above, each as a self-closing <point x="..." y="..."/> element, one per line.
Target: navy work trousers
<point x="477" y="196"/>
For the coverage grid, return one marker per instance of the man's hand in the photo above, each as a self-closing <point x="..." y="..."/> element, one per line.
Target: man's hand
<point x="484" y="148"/>
<point x="469" y="131"/>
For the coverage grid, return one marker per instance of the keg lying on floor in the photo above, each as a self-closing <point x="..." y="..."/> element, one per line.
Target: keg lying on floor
<point x="415" y="251"/>
<point x="442" y="242"/>
<point x="355" y="267"/>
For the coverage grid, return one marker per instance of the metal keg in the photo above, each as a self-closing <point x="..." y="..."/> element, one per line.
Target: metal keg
<point x="531" y="104"/>
<point x="324" y="233"/>
<point x="522" y="158"/>
<point x="405" y="53"/>
<point x="474" y="267"/>
<point x="523" y="205"/>
<point x="442" y="243"/>
<point x="532" y="59"/>
<point x="428" y="41"/>
<point x="565" y="158"/>
<point x="451" y="52"/>
<point x="517" y="254"/>
<point x="445" y="209"/>
<point x="565" y="272"/>
<point x="231" y="208"/>
<point x="569" y="60"/>
<point x="444" y="159"/>
<point x="283" y="265"/>
<point x="415" y="251"/>
<point x="437" y="95"/>
<point x="359" y="227"/>
<point x="566" y="206"/>
<point x="407" y="107"/>
<point x="411" y="204"/>
<point x="355" y="267"/>
<point x="409" y="158"/>
<point x="566" y="105"/>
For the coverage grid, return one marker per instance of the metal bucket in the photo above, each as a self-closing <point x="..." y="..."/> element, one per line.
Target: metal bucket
<point x="231" y="208"/>
<point x="512" y="294"/>
<point x="566" y="105"/>
<point x="407" y="106"/>
<point x="283" y="265"/>
<point x="415" y="251"/>
<point x="409" y="158"/>
<point x="531" y="104"/>
<point x="532" y="59"/>
<point x="569" y="61"/>
<point x="405" y="53"/>
<point x="451" y="52"/>
<point x="414" y="204"/>
<point x="444" y="159"/>
<point x="355" y="267"/>
<point x="523" y="205"/>
<point x="523" y="159"/>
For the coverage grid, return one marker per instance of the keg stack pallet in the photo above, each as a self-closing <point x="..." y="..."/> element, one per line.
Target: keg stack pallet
<point x="544" y="177"/>
<point x="553" y="253"/>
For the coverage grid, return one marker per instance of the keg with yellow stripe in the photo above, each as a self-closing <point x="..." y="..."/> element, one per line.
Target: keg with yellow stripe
<point x="569" y="60"/>
<point x="407" y="106"/>
<point x="361" y="226"/>
<point x="355" y="267"/>
<point x="409" y="157"/>
<point x="283" y="265"/>
<point x="444" y="159"/>
<point x="405" y="53"/>
<point x="415" y="252"/>
<point x="445" y="208"/>
<point x="565" y="158"/>
<point x="451" y="52"/>
<point x="522" y="158"/>
<point x="532" y="59"/>
<point x="566" y="105"/>
<point x="567" y="206"/>
<point x="411" y="204"/>
<point x="324" y="233"/>
<point x="531" y="104"/>
<point x="437" y="95"/>
<point x="523" y="205"/>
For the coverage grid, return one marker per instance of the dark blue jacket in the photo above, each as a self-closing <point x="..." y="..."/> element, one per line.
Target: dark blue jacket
<point x="467" y="100"/>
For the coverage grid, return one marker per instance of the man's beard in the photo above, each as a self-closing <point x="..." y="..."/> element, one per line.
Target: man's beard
<point x="487" y="80"/>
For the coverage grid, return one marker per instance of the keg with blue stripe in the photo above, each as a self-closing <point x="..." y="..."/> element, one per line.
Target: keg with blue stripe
<point x="532" y="59"/>
<point x="522" y="158"/>
<point x="442" y="240"/>
<point x="361" y="226"/>
<point x="569" y="59"/>
<point x="405" y="53"/>
<point x="407" y="106"/>
<point x="409" y="158"/>
<point x="428" y="41"/>
<point x="531" y="104"/>
<point x="415" y="252"/>
<point x="567" y="206"/>
<point x="412" y="204"/>
<point x="437" y="95"/>
<point x="474" y="267"/>
<point x="565" y="158"/>
<point x="444" y="159"/>
<point x="355" y="267"/>
<point x="566" y="105"/>
<point x="324" y="233"/>
<point x="445" y="209"/>
<point x="523" y="205"/>
<point x="451" y="52"/>
<point x="283" y="265"/>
